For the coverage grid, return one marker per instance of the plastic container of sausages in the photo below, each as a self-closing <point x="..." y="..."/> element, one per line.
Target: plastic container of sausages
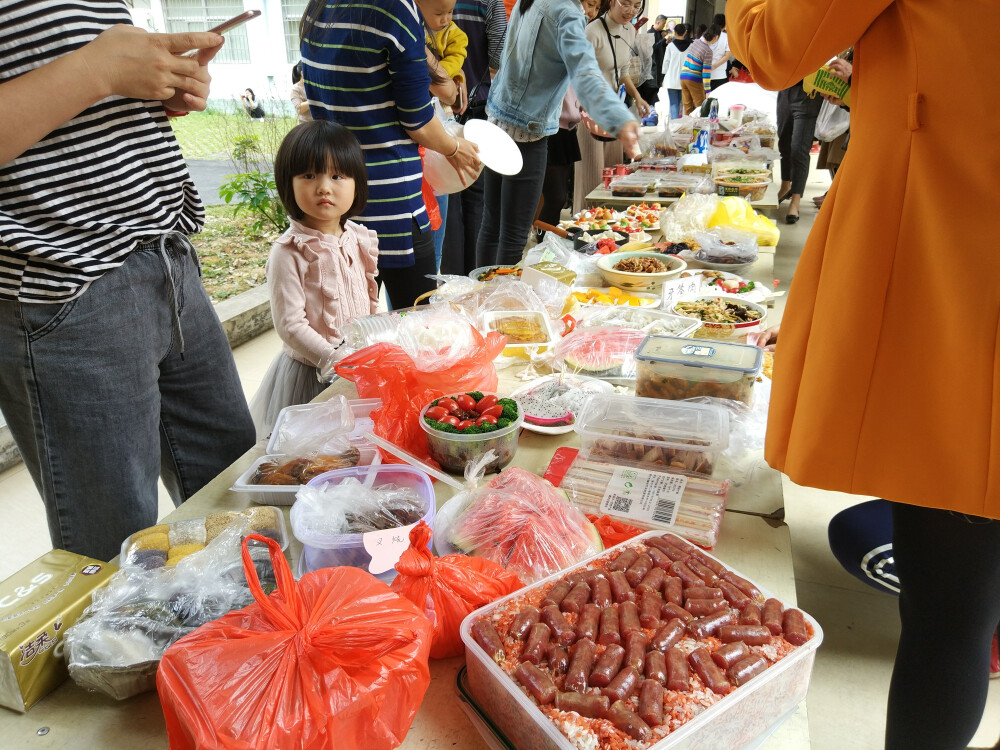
<point x="743" y="718"/>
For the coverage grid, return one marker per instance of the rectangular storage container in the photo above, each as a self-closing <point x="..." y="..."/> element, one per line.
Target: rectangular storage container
<point x="674" y="368"/>
<point x="192" y="534"/>
<point x="358" y="409"/>
<point x="284" y="494"/>
<point x="652" y="432"/>
<point x="527" y="331"/>
<point x="332" y="550"/>
<point x="633" y="185"/>
<point x="742" y="719"/>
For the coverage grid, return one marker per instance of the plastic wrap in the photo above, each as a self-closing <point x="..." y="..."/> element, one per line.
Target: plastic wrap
<point x="726" y="244"/>
<point x="605" y="352"/>
<point x="658" y="144"/>
<point x="336" y="659"/>
<point x="353" y="508"/>
<point x="583" y="265"/>
<point x="321" y="428"/>
<point x="688" y="215"/>
<point x="448" y="588"/>
<point x="115" y="646"/>
<point x="519" y="521"/>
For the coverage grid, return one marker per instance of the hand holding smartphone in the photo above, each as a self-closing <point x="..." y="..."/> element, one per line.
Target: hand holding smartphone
<point x="225" y="26"/>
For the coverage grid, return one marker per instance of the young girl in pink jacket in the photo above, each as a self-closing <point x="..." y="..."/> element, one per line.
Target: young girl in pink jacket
<point x="322" y="270"/>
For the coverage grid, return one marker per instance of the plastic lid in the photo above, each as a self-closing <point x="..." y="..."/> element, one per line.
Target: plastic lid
<point x="701" y="353"/>
<point x="655" y="421"/>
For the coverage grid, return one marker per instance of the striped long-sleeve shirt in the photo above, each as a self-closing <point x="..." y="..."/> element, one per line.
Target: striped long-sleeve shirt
<point x="697" y="65"/>
<point x="485" y="23"/>
<point x="74" y="205"/>
<point x="365" y="66"/>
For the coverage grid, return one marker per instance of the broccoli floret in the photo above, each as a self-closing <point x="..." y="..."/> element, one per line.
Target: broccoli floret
<point x="473" y="429"/>
<point x="504" y="422"/>
<point x="440" y="426"/>
<point x="509" y="409"/>
<point x="477" y="395"/>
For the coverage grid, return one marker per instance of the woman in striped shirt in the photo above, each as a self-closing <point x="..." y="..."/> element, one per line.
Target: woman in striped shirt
<point x="696" y="70"/>
<point x="365" y="67"/>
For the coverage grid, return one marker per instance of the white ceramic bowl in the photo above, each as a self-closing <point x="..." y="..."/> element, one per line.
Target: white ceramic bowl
<point x="630" y="281"/>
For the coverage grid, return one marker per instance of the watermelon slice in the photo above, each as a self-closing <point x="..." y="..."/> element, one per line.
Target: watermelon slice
<point x="601" y="352"/>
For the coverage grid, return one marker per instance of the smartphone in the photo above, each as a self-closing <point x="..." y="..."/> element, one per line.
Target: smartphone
<point x="225" y="26"/>
<point x="235" y="21"/>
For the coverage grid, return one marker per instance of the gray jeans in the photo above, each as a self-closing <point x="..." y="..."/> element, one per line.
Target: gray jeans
<point x="103" y="393"/>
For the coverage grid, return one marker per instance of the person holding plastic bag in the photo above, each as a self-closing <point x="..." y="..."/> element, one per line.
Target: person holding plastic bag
<point x="333" y="661"/>
<point x="546" y="50"/>
<point x="321" y="271"/>
<point x="448" y="588"/>
<point x="850" y="411"/>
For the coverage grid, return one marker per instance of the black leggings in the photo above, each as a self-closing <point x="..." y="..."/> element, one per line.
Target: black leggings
<point x="949" y="605"/>
<point x="404" y="285"/>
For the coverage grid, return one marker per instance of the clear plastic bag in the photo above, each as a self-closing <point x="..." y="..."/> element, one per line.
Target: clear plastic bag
<point x="605" y="352"/>
<point x="320" y="428"/>
<point x="351" y="507"/>
<point x="115" y="646"/>
<point x="725" y="244"/>
<point x="562" y="252"/>
<point x="688" y="215"/>
<point x="519" y="521"/>
<point x="832" y="122"/>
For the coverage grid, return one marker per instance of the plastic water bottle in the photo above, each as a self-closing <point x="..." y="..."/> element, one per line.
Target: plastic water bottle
<point x="713" y="123"/>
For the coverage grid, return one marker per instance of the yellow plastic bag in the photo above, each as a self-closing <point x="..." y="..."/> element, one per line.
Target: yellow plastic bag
<point x="737" y="212"/>
<point x="824" y="82"/>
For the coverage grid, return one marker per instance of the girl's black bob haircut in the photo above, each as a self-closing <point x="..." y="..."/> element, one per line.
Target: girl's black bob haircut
<point x="316" y="146"/>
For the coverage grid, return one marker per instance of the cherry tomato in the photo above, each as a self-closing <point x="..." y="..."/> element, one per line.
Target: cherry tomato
<point x="494" y="411"/>
<point x="465" y="423"/>
<point x="465" y="402"/>
<point x="450" y="419"/>
<point x="435" y="413"/>
<point x="448" y="404"/>
<point x="486" y="418"/>
<point x="485" y="403"/>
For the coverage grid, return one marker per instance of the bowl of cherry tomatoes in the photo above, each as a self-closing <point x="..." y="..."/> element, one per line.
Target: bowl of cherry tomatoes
<point x="463" y="427"/>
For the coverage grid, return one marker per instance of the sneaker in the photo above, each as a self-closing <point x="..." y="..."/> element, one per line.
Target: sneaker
<point x="994" y="659"/>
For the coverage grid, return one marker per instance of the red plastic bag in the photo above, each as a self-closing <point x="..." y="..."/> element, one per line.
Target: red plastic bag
<point x="448" y="588"/>
<point x="387" y="372"/>
<point x="334" y="661"/>
<point x="612" y="530"/>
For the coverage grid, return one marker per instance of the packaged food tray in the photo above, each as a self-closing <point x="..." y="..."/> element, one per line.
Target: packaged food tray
<point x="669" y="367"/>
<point x="360" y="410"/>
<point x="284" y="494"/>
<point x="741" y="719"/>
<point x="180" y="538"/>
<point x="653" y="432"/>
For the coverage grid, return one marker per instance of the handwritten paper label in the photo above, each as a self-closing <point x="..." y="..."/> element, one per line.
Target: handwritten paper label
<point x="385" y="547"/>
<point x="676" y="290"/>
<point x="640" y="495"/>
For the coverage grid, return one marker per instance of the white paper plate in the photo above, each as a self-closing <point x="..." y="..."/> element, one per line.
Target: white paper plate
<point x="599" y="386"/>
<point x="497" y="150"/>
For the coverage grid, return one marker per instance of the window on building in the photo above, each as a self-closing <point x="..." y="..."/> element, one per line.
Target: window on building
<point x="201" y="15"/>
<point x="291" y="12"/>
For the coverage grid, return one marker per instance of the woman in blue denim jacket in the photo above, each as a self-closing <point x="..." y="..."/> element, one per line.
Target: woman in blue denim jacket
<point x="545" y="50"/>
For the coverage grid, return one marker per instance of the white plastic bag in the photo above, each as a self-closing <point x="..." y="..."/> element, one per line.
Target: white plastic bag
<point x="833" y="121"/>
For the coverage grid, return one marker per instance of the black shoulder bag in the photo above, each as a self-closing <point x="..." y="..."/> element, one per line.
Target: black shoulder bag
<point x="476" y="109"/>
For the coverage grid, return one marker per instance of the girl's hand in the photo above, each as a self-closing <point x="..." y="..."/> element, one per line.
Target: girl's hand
<point x="629" y="136"/>
<point x="466" y="161"/>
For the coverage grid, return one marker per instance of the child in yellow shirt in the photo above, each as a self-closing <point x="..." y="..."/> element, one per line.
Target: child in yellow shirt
<point x="445" y="40"/>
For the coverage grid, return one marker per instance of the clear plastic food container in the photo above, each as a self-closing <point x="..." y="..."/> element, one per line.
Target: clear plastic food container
<point x="649" y="321"/>
<point x="652" y="432"/>
<point x="741" y="719"/>
<point x="362" y="550"/>
<point x="526" y="330"/>
<point x="166" y="543"/>
<point x="284" y="494"/>
<point x="359" y="409"/>
<point x="673" y="368"/>
<point x="633" y="185"/>
<point x="453" y="450"/>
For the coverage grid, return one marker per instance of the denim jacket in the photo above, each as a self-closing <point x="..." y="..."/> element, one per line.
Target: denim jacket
<point x="545" y="51"/>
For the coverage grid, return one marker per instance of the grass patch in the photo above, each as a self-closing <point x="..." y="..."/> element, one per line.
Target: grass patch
<point x="211" y="134"/>
<point x="232" y="259"/>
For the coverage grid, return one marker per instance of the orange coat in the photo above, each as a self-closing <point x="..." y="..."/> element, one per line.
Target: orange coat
<point x="886" y="375"/>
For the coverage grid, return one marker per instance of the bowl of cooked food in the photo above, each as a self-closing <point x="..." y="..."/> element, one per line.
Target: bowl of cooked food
<point x="493" y="273"/>
<point x="640" y="269"/>
<point x="723" y="317"/>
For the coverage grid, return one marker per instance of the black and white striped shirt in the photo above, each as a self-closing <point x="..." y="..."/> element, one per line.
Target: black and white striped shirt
<point x="76" y="203"/>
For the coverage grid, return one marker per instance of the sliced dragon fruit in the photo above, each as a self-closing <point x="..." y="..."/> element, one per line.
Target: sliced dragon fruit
<point x="540" y="409"/>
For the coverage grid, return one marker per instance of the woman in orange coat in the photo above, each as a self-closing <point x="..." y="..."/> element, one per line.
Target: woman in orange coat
<point x="887" y="380"/>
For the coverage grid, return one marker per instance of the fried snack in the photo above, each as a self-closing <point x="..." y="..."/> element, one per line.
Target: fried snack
<point x="301" y="470"/>
<point x="768" y="367"/>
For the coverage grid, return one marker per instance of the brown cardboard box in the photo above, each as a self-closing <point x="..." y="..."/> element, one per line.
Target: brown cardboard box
<point x="37" y="605"/>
